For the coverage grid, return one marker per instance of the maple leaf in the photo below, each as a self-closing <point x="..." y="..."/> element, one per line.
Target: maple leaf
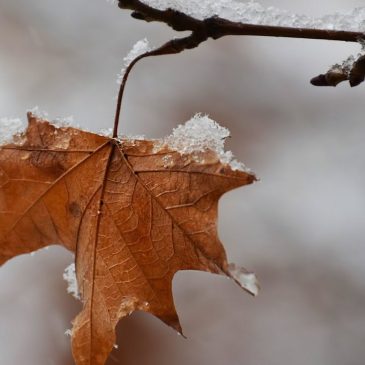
<point x="133" y="212"/>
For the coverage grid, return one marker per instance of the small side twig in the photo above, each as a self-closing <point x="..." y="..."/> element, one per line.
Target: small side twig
<point x="354" y="72"/>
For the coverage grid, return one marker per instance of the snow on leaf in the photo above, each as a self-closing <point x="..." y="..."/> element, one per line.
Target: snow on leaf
<point x="10" y="129"/>
<point x="69" y="276"/>
<point x="200" y="134"/>
<point x="37" y="112"/>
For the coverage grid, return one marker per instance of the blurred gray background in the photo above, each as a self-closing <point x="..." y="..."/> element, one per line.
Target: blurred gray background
<point x="301" y="229"/>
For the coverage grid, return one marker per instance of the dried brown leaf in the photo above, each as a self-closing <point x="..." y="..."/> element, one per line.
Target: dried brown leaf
<point x="132" y="221"/>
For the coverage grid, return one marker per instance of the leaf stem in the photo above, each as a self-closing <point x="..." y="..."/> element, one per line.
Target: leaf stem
<point x="121" y="93"/>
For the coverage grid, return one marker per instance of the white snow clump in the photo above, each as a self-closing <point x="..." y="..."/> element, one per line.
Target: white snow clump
<point x="37" y="112"/>
<point x="200" y="134"/>
<point x="138" y="49"/>
<point x="347" y="65"/>
<point x="65" y="122"/>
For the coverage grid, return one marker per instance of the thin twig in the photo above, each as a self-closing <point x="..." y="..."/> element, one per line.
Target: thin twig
<point x="172" y="47"/>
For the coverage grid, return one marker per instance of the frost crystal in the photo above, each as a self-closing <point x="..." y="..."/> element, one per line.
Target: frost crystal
<point x="68" y="333"/>
<point x="59" y="122"/>
<point x="138" y="49"/>
<point x="246" y="279"/>
<point x="69" y="276"/>
<point x="253" y="12"/>
<point x="41" y="114"/>
<point x="347" y="65"/>
<point x="132" y="137"/>
<point x="65" y="122"/>
<point x="9" y="128"/>
<point x="200" y="134"/>
<point x="106" y="132"/>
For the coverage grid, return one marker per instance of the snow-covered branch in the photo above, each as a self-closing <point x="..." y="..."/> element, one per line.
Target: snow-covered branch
<point x="217" y="19"/>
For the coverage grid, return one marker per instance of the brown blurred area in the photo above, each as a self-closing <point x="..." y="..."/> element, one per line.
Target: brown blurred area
<point x="301" y="228"/>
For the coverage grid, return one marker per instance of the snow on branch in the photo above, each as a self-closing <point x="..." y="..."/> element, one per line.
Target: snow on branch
<point x="138" y="49"/>
<point x="252" y="12"/>
<point x="231" y="17"/>
<point x="220" y="18"/>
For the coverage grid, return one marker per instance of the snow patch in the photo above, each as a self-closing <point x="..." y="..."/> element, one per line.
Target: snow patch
<point x="132" y="137"/>
<point x="138" y="49"/>
<point x="201" y="134"/>
<point x="65" y="122"/>
<point x="106" y="132"/>
<point x="10" y="128"/>
<point x="69" y="276"/>
<point x="246" y="280"/>
<point x="39" y="114"/>
<point x="347" y="65"/>
<point x="59" y="122"/>
<point x="253" y="12"/>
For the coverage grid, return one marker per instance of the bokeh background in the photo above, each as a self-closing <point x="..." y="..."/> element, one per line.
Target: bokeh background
<point x="301" y="229"/>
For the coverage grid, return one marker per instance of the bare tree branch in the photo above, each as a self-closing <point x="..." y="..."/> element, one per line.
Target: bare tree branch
<point x="216" y="27"/>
